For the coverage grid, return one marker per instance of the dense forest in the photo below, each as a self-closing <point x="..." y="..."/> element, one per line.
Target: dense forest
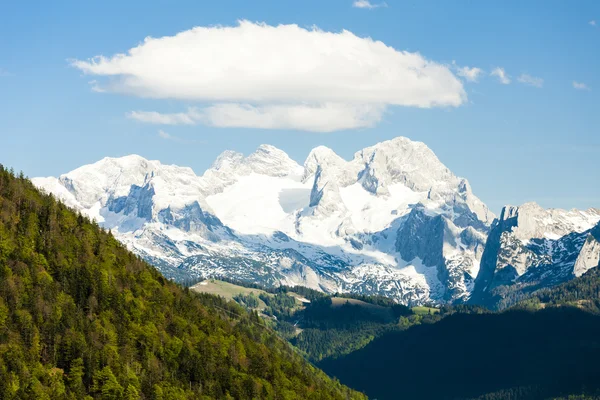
<point x="516" y="354"/>
<point x="82" y="317"/>
<point x="582" y="292"/>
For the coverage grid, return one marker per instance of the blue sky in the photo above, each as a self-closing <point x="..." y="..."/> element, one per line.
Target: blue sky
<point x="515" y="142"/>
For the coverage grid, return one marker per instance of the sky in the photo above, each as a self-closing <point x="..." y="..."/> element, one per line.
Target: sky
<point x="507" y="94"/>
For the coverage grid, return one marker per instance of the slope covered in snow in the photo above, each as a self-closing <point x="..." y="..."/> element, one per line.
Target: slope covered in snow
<point x="393" y="220"/>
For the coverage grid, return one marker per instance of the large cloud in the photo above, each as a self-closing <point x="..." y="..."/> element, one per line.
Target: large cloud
<point x="278" y="74"/>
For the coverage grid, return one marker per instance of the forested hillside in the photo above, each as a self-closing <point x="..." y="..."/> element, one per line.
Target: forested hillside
<point x="511" y="355"/>
<point x="322" y="325"/>
<point x="82" y="316"/>
<point x="582" y="292"/>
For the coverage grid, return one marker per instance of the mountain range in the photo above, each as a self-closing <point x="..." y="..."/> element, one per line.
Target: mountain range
<point x="393" y="221"/>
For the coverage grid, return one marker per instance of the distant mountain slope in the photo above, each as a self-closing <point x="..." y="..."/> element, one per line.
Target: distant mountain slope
<point x="529" y="248"/>
<point x="582" y="292"/>
<point x="392" y="221"/>
<point x="513" y="355"/>
<point x="80" y="315"/>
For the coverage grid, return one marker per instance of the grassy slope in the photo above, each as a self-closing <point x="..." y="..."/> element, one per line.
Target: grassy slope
<point x="227" y="290"/>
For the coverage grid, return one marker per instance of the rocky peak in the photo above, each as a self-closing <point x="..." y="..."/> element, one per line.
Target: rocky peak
<point x="508" y="212"/>
<point x="228" y="160"/>
<point x="269" y="160"/>
<point x="401" y="160"/>
<point x="108" y="177"/>
<point x="533" y="221"/>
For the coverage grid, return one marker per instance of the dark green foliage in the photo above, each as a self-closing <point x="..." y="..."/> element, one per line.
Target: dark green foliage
<point x="82" y="316"/>
<point x="333" y="331"/>
<point x="280" y="305"/>
<point x="513" y="355"/>
<point x="319" y="344"/>
<point x="248" y="300"/>
<point x="583" y="292"/>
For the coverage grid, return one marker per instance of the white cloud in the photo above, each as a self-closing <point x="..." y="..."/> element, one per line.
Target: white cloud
<point x="328" y="117"/>
<point x="284" y="69"/>
<point x="501" y="75"/>
<point x="167" y="136"/>
<point x="153" y="117"/>
<point x="531" y="80"/>
<point x="94" y="86"/>
<point x="470" y="74"/>
<point x="4" y="73"/>
<point x="164" y="135"/>
<point x="592" y="23"/>
<point x="580" y="86"/>
<point x="323" y="118"/>
<point x="367" y="4"/>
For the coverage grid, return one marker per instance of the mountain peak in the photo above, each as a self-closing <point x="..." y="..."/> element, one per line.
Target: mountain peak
<point x="268" y="148"/>
<point x="329" y="162"/>
<point x="534" y="221"/>
<point x="400" y="160"/>
<point x="130" y="158"/>
<point x="269" y="160"/>
<point x="227" y="159"/>
<point x="508" y="212"/>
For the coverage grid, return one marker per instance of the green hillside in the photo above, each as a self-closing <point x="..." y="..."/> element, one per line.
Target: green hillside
<point x="324" y="326"/>
<point x="582" y="292"/>
<point x="82" y="316"/>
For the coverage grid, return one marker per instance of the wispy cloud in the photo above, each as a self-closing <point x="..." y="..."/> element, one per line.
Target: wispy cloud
<point x="531" y="80"/>
<point x="167" y="136"/>
<point x="592" y="23"/>
<point x="153" y="117"/>
<point x="580" y="86"/>
<point x="323" y="118"/>
<point x="367" y="4"/>
<point x="95" y="87"/>
<point x="470" y="74"/>
<point x="4" y="73"/>
<point x="501" y="74"/>
<point x="232" y="69"/>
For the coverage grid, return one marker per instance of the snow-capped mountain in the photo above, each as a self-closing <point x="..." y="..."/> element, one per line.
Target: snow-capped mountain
<point x="530" y="248"/>
<point x="393" y="221"/>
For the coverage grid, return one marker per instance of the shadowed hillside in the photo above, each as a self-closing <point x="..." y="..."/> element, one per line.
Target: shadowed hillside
<point x="512" y="355"/>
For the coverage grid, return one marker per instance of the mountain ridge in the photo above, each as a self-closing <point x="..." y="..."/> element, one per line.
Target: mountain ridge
<point x="331" y="224"/>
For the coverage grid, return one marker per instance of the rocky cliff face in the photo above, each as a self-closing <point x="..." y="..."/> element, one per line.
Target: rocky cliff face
<point x="589" y="256"/>
<point x="529" y="247"/>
